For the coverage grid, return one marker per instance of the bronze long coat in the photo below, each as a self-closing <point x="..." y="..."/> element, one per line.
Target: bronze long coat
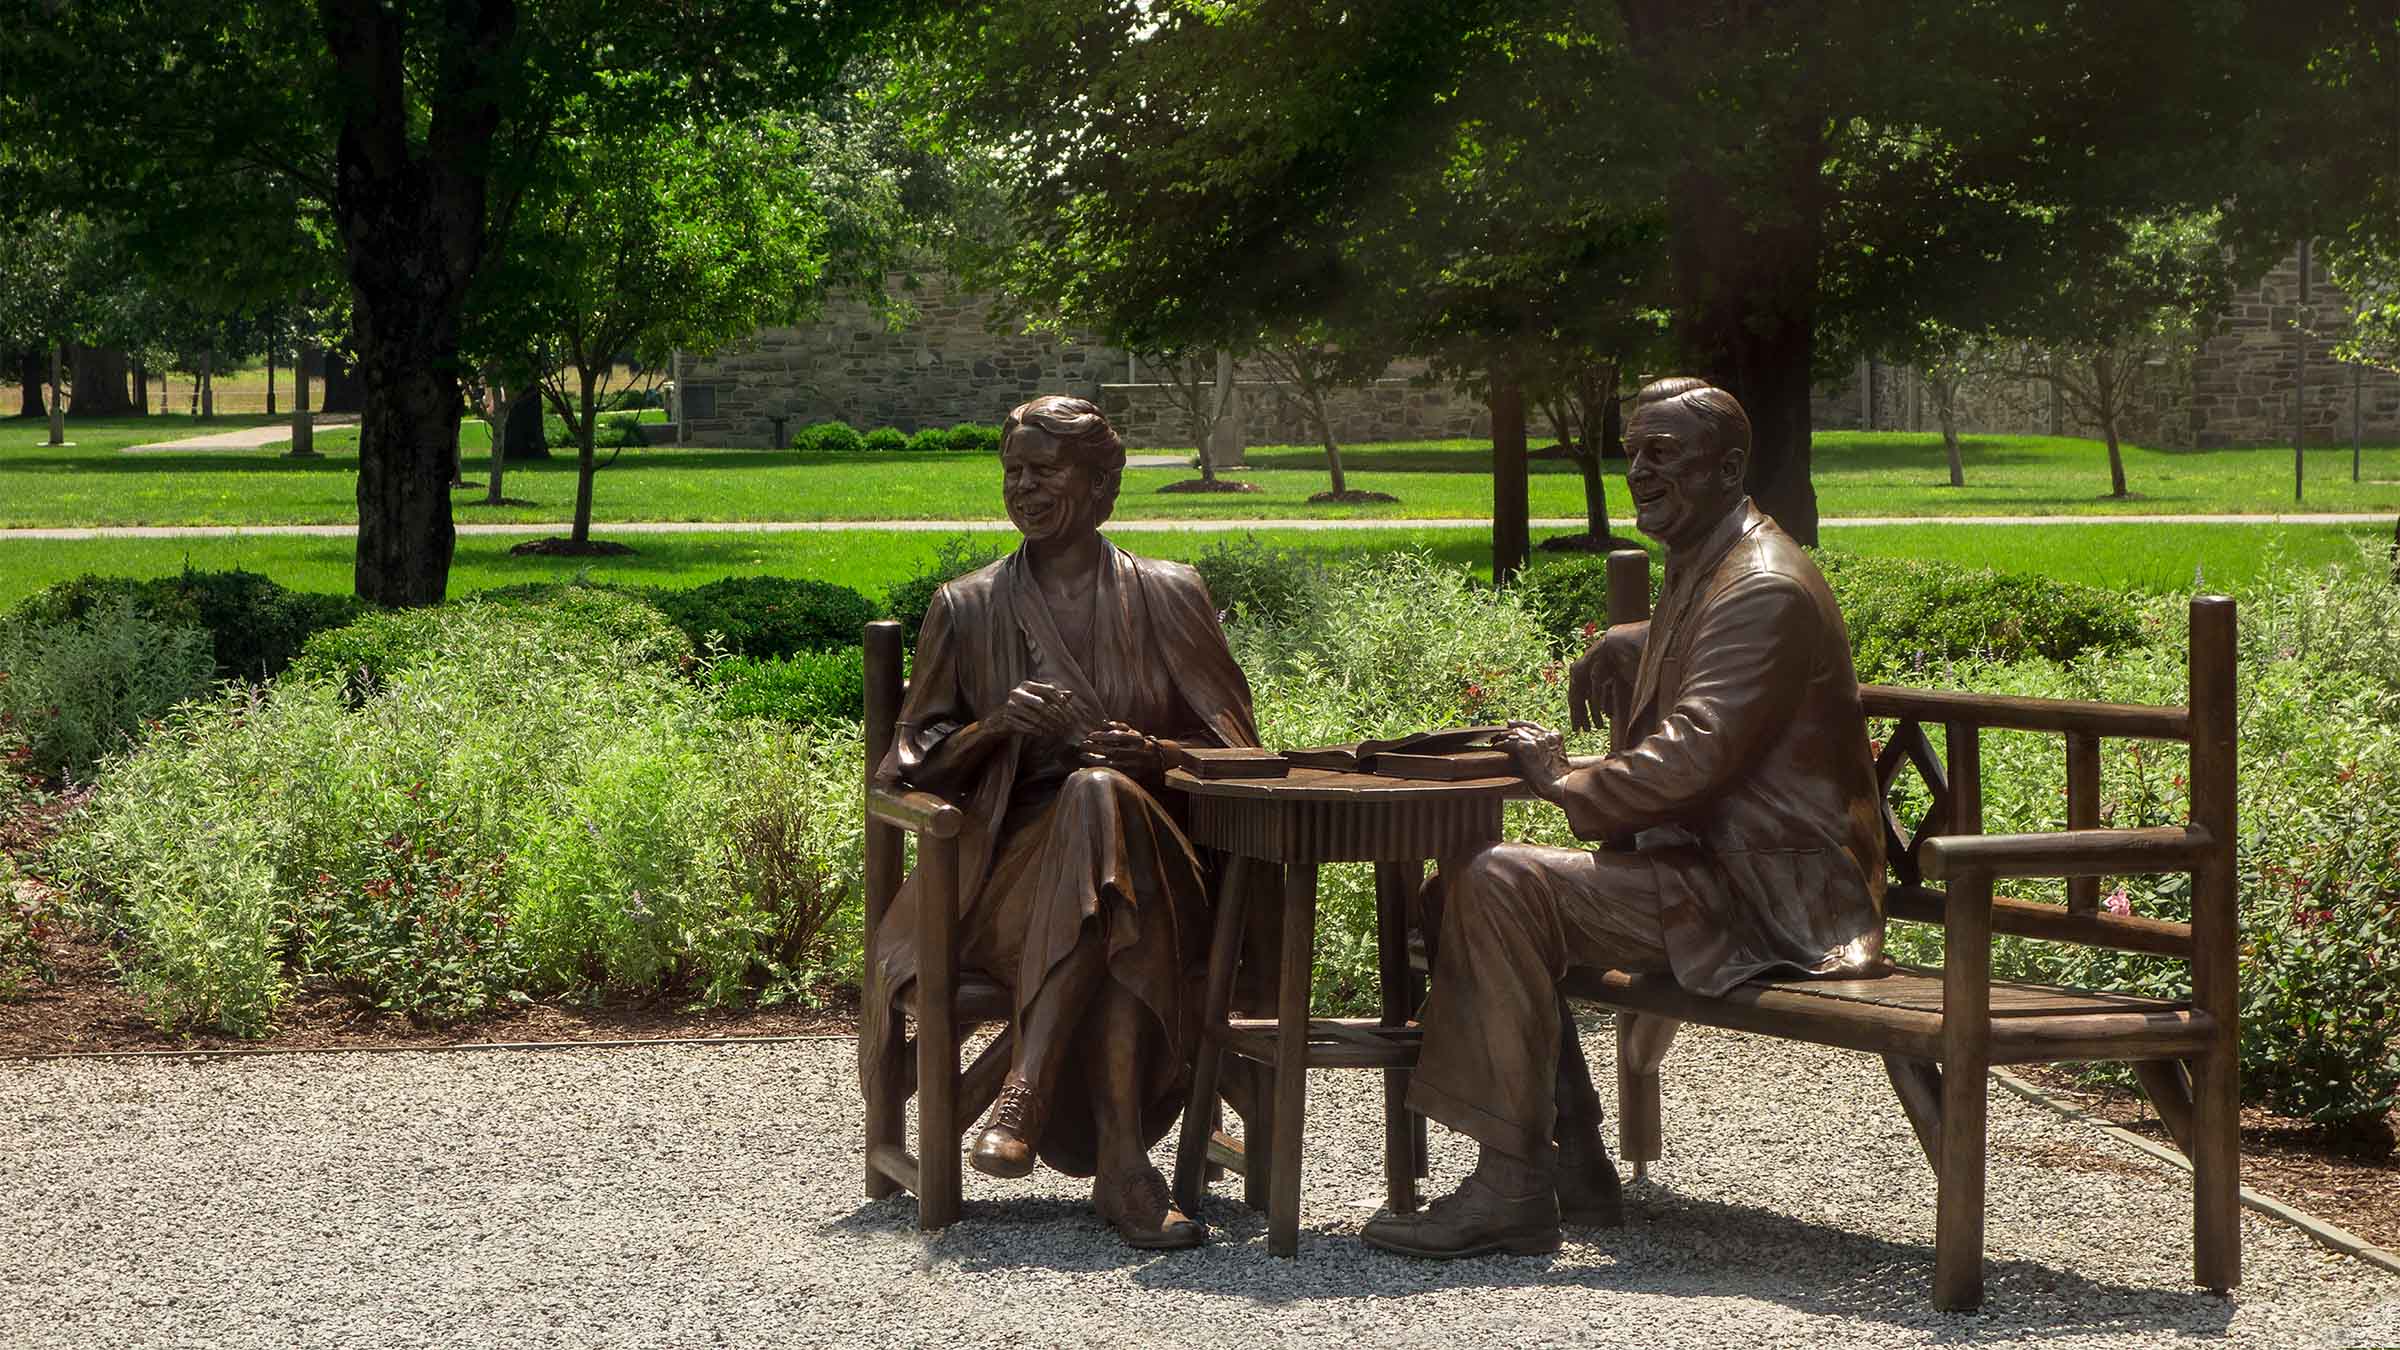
<point x="1746" y="768"/>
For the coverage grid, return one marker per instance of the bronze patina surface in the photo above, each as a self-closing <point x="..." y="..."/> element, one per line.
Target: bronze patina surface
<point x="1049" y="693"/>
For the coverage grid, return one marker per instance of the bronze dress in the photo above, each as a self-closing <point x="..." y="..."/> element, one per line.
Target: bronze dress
<point x="1051" y="848"/>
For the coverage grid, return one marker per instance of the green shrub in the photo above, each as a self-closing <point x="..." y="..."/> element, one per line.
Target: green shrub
<point x="255" y="627"/>
<point x="615" y="430"/>
<point x="886" y="440"/>
<point x="528" y="809"/>
<point x="1903" y="613"/>
<point x="73" y="690"/>
<point x="829" y="438"/>
<point x="978" y="438"/>
<point x="764" y="617"/>
<point x="1253" y="582"/>
<point x="956" y="556"/>
<point x="24" y="960"/>
<point x="929" y="440"/>
<point x="368" y="653"/>
<point x="806" y="688"/>
<point x="1915" y="613"/>
<point x="1568" y="595"/>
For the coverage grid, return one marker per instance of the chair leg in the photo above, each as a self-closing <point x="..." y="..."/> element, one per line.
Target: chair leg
<point x="2216" y="1170"/>
<point x="881" y="1071"/>
<point x="940" y="1166"/>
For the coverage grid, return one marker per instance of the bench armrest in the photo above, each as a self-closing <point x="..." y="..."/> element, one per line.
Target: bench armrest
<point x="914" y="811"/>
<point x="2068" y="853"/>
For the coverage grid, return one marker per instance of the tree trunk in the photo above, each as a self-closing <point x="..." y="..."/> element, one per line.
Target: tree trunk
<point x="58" y="397"/>
<point x="98" y="377"/>
<point x="208" y="383"/>
<point x="270" y="380"/>
<point x="29" y="382"/>
<point x="2106" y="400"/>
<point x="412" y="223"/>
<point x="586" y="459"/>
<point x="343" y="393"/>
<point x="502" y="400"/>
<point x="1511" y="526"/>
<point x="1333" y="450"/>
<point x="521" y="432"/>
<point x="141" y="389"/>
<point x="1945" y="410"/>
<point x="304" y="426"/>
<point x="1744" y="258"/>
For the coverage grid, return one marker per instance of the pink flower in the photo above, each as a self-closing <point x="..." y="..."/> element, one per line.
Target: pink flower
<point x="2118" y="903"/>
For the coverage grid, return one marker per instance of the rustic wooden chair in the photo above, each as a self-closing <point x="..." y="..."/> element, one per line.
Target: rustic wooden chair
<point x="941" y="1003"/>
<point x="1939" y="1031"/>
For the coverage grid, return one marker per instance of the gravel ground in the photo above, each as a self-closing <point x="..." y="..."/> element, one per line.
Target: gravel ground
<point x="702" y="1196"/>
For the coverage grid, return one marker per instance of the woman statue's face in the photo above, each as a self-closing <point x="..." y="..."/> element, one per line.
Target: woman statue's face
<point x="1050" y="494"/>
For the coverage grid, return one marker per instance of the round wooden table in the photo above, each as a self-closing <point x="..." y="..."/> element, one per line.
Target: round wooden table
<point x="1293" y="824"/>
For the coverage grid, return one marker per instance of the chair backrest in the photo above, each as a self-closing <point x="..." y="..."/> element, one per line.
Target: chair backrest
<point x="886" y="846"/>
<point x="1952" y="776"/>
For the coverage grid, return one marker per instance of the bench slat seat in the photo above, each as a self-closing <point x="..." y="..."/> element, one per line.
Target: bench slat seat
<point x="1901" y="1014"/>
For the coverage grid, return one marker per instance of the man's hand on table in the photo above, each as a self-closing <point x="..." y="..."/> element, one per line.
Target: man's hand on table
<point x="1541" y="756"/>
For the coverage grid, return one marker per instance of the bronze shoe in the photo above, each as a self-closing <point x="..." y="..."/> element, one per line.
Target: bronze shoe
<point x="1474" y="1220"/>
<point x="1005" y="1147"/>
<point x="1138" y="1205"/>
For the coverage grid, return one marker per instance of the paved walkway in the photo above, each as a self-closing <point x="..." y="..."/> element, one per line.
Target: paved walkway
<point x="691" y="1196"/>
<point x="248" y="438"/>
<point x="1118" y="526"/>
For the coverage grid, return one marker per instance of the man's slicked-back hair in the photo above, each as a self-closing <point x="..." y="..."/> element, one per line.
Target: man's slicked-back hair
<point x="1721" y="413"/>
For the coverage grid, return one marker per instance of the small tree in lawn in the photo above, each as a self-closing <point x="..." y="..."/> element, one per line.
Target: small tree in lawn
<point x="1306" y="366"/>
<point x="645" y="241"/>
<point x="2095" y="329"/>
<point x="1198" y="384"/>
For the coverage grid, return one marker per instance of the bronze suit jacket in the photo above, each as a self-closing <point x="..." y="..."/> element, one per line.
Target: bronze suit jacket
<point x="1745" y="768"/>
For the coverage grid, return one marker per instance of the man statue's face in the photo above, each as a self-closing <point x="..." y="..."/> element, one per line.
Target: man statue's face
<point x="1049" y="492"/>
<point x="1681" y="482"/>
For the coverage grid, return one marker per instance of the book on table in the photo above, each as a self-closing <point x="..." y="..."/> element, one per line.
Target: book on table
<point x="1240" y="761"/>
<point x="1449" y="754"/>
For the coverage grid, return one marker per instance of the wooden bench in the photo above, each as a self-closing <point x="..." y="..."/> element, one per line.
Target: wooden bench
<point x="1938" y="1031"/>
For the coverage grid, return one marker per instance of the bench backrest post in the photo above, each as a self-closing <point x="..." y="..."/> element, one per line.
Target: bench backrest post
<point x="884" y="842"/>
<point x="2215" y="777"/>
<point x="1628" y="586"/>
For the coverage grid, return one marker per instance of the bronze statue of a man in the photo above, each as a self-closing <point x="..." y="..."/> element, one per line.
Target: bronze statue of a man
<point x="1742" y="775"/>
<point x="1049" y="690"/>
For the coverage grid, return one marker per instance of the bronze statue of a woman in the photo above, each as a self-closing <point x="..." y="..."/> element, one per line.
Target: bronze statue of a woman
<point x="1049" y="691"/>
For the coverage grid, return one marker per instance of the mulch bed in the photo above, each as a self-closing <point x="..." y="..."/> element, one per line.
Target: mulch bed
<point x="1585" y="543"/>
<point x="2349" y="1179"/>
<point x="1211" y="485"/>
<point x="568" y="548"/>
<point x="1354" y="497"/>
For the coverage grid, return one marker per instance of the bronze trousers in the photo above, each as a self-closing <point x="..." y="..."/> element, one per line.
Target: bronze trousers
<point x="1508" y="925"/>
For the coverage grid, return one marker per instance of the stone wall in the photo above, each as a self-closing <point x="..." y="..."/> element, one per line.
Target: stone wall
<point x="949" y="365"/>
<point x="2244" y="382"/>
<point x="2237" y="388"/>
<point x="1387" y="410"/>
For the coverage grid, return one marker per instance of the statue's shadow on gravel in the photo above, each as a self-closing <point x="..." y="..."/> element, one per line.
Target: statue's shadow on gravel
<point x="1672" y="1246"/>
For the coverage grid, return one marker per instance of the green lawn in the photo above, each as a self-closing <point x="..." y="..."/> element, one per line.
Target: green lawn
<point x="2154" y="558"/>
<point x="1857" y="474"/>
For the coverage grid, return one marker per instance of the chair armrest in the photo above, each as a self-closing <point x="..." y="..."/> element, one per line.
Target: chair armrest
<point x="914" y="811"/>
<point x="2068" y="853"/>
